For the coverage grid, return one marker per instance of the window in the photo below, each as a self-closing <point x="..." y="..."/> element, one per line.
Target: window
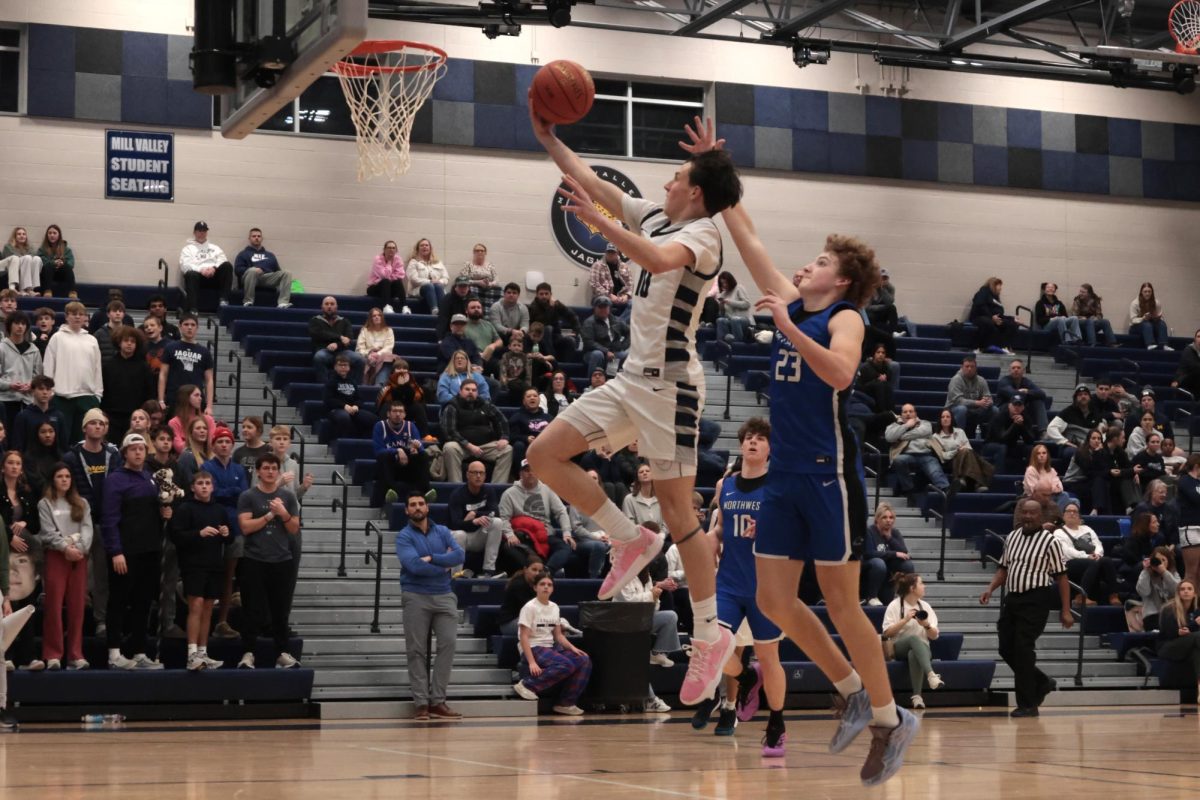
<point x="10" y="70"/>
<point x="635" y="119"/>
<point x="320" y="109"/>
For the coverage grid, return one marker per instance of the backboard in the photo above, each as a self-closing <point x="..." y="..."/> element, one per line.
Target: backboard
<point x="320" y="32"/>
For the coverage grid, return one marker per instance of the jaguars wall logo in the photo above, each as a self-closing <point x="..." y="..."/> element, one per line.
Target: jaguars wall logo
<point x="580" y="242"/>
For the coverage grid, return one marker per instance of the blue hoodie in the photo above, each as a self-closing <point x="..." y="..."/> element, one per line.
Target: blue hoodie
<point x="228" y="484"/>
<point x="433" y="576"/>
<point x="262" y="258"/>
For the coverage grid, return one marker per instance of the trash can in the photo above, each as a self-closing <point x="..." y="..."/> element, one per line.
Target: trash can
<point x="617" y="637"/>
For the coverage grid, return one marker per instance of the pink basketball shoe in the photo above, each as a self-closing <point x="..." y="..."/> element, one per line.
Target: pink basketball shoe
<point x="704" y="667"/>
<point x="628" y="559"/>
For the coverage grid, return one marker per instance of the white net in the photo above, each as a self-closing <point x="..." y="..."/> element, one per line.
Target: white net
<point x="385" y="87"/>
<point x="1185" y="26"/>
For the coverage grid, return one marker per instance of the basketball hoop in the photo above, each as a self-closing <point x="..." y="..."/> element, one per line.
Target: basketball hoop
<point x="1185" y="26"/>
<point x="386" y="83"/>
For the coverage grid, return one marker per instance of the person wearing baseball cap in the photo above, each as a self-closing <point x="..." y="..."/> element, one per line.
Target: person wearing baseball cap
<point x="605" y="338"/>
<point x="203" y="264"/>
<point x="1071" y="427"/>
<point x="610" y="277"/>
<point x="455" y="338"/>
<point x="131" y="524"/>
<point x="455" y="302"/>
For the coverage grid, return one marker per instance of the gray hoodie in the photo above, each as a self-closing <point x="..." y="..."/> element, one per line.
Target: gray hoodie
<point x="17" y="367"/>
<point x="541" y="503"/>
<point x="962" y="390"/>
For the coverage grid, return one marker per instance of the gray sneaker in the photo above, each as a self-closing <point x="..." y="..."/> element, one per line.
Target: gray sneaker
<point x="211" y="663"/>
<point x="852" y="713"/>
<point x="195" y="662"/>
<point x="143" y="661"/>
<point x="286" y="661"/>
<point x="121" y="662"/>
<point x="888" y="746"/>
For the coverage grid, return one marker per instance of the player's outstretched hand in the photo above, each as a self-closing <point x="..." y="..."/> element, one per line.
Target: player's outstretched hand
<point x="774" y="305"/>
<point x="579" y="202"/>
<point x="541" y="128"/>
<point x="702" y="137"/>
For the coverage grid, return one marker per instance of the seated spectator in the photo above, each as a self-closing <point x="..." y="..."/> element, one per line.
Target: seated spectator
<point x="1041" y="478"/>
<point x="1087" y="565"/>
<point x="1008" y="434"/>
<point x="204" y="265"/>
<point x="885" y="555"/>
<point x="558" y="395"/>
<point x="457" y="371"/>
<point x="911" y="441"/>
<point x="427" y="276"/>
<point x="1140" y="436"/>
<point x="561" y="323"/>
<point x="616" y="472"/>
<point x="1017" y="382"/>
<point x="376" y="343"/>
<point x="1122" y="495"/>
<point x="971" y="472"/>
<point x="199" y="529"/>
<point x="476" y="526"/>
<point x="588" y="530"/>
<point x="552" y="661"/>
<point x="456" y="340"/>
<point x="20" y="361"/>
<point x="23" y="430"/>
<point x="1146" y="318"/>
<point x="403" y="387"/>
<point x="21" y="263"/>
<point x="156" y="306"/>
<point x="1051" y="315"/>
<point x="331" y="336"/>
<point x="484" y="335"/>
<point x="605" y="338"/>
<point x="1187" y="376"/>
<point x="610" y="277"/>
<point x="520" y="588"/>
<point x="881" y="308"/>
<point x="66" y="539"/>
<point x="128" y="381"/>
<point x="597" y="379"/>
<point x="186" y="362"/>
<point x="73" y="362"/>
<point x="641" y="505"/>
<point x="526" y="423"/>
<point x="734" y="321"/>
<point x="1072" y="426"/>
<point x="1155" y="501"/>
<point x="911" y="623"/>
<point x="349" y="419"/>
<point x="400" y="456"/>
<point x="472" y="425"/>
<point x="969" y="399"/>
<point x="188" y="405"/>
<point x="1148" y="404"/>
<point x="1174" y="459"/>
<point x="482" y="275"/>
<point x="1156" y="585"/>
<point x="256" y="264"/>
<point x="516" y="370"/>
<point x="1189" y="516"/>
<point x="1087" y="476"/>
<point x="43" y="328"/>
<point x="58" y="265"/>
<point x="453" y="304"/>
<point x="877" y="378"/>
<point x="510" y="314"/>
<point x="1150" y="459"/>
<point x="664" y="628"/>
<point x="1088" y="311"/>
<point x="1179" y="633"/>
<point x="532" y="511"/>
<point x="387" y="278"/>
<point x="996" y="331"/>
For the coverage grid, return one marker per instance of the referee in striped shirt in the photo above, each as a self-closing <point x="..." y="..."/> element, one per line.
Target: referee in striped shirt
<point x="1031" y="567"/>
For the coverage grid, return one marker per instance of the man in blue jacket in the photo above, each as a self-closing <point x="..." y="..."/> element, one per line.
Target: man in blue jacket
<point x="428" y="554"/>
<point x="256" y="264"/>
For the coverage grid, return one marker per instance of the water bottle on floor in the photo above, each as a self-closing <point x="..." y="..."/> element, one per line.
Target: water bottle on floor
<point x="102" y="719"/>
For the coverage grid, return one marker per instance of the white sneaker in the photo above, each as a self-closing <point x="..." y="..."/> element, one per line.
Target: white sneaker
<point x="247" y="303"/>
<point x="570" y="711"/>
<point x="211" y="663"/>
<point x="79" y="664"/>
<point x="247" y="661"/>
<point x="283" y="305"/>
<point x="195" y="662"/>
<point x="1151" y="347"/>
<point x="661" y="660"/>
<point x="121" y="662"/>
<point x="524" y="691"/>
<point x="874" y="601"/>
<point x="54" y="664"/>
<point x="934" y="680"/>
<point x="388" y="309"/>
<point x="917" y="702"/>
<point x="143" y="661"/>
<point x="656" y="706"/>
<point x="286" y="661"/>
<point x="1168" y="348"/>
<point x="37" y="665"/>
<point x="406" y="310"/>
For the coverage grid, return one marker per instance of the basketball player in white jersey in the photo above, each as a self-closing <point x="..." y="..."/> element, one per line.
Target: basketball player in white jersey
<point x="659" y="396"/>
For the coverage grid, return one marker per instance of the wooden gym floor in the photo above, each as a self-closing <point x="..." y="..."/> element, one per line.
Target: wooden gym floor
<point x="970" y="753"/>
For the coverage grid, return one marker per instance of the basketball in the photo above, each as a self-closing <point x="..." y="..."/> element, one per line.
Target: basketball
<point x="562" y="92"/>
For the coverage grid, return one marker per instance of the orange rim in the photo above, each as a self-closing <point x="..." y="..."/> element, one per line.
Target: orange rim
<point x="376" y="46"/>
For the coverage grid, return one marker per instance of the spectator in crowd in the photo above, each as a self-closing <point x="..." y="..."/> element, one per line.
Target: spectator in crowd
<point x="23" y="430"/>
<point x="92" y="461"/>
<point x="458" y="371"/>
<point x="196" y="451"/>
<point x="268" y="517"/>
<point x="1155" y="501"/>
<point x="1174" y="459"/>
<point x="73" y="362"/>
<point x="476" y="526"/>
<point x="386" y="281"/>
<point x="877" y="378"/>
<point x="129" y="381"/>
<point x="520" y="589"/>
<point x="130" y="523"/>
<point x="163" y="466"/>
<point x="199" y="529"/>
<point x="996" y="331"/>
<point x="155" y="345"/>
<point x="1017" y="382"/>
<point x="1089" y="313"/>
<point x="1121" y="474"/>
<point x="1087" y="565"/>
<point x="616" y="472"/>
<point x="1009" y="433"/>
<point x="584" y="528"/>
<point x="41" y="454"/>
<point x="605" y="338"/>
<point x="1030" y="568"/>
<point x="969" y="399"/>
<point x="400" y="456"/>
<point x="560" y="322"/>
<point x="43" y="328"/>
<point x="453" y="304"/>
<point x="516" y="371"/>
<point x="971" y="472"/>
<point x="186" y="362"/>
<point x="1041" y="478"/>
<point x="1187" y="376"/>
<point x="559" y="394"/>
<point x="253" y="444"/>
<point x="881" y="309"/>
<point x="156" y="306"/>
<point x="115" y="311"/>
<point x="349" y="418"/>
<point x="58" y="265"/>
<point x="1156" y="584"/>
<point x="376" y="343"/>
<point x="1073" y="424"/>
<point x="256" y="264"/>
<point x="1050" y="313"/>
<point x="204" y="265"/>
<point x="911" y="441"/>
<point x="332" y="336"/>
<point x="21" y="263"/>
<point x="100" y="317"/>
<point x="610" y="277"/>
<point x="154" y="410"/>
<point x="885" y="555"/>
<point x="510" y="314"/>
<point x="735" y="320"/>
<point x="427" y="275"/>
<point x="911" y="623"/>
<point x="641" y="505"/>
<point x="403" y="387"/>
<point x="1150" y="459"/>
<point x="1140" y="435"/>
<point x="530" y="510"/>
<point x="597" y="379"/>
<point x="1087" y="476"/>
<point x="291" y="477"/>
<point x="428" y="555"/>
<point x="188" y="402"/>
<point x="230" y="479"/>
<point x="484" y="335"/>
<point x="1146" y="318"/>
<point x="456" y="340"/>
<point x="20" y="362"/>
<point x="538" y="348"/>
<point x="472" y="425"/>
<point x="664" y="629"/>
<point x="526" y="423"/>
<point x="1148" y="404"/>
<point x="66" y="539"/>
<point x="482" y="275"/>
<point x="1179" y="633"/>
<point x="8" y="303"/>
<point x="1189" y="517"/>
<point x="550" y="657"/>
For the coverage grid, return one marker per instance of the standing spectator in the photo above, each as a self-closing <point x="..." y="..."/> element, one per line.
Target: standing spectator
<point x="532" y="511"/>
<point x="877" y="378"/>
<point x="510" y="314"/>
<point x="186" y="362"/>
<point x="471" y="425"/>
<point x="605" y="338"/>
<point x="950" y="444"/>
<point x="332" y="336"/>
<point x="115" y="312"/>
<point x="131" y="522"/>
<point x="73" y="363"/>
<point x="735" y="320"/>
<point x="1009" y="433"/>
<point x="1051" y="315"/>
<point x="252" y="445"/>
<point x="164" y="467"/>
<point x="199" y="529"/>
<point x="427" y="276"/>
<point x="561" y="323"/>
<point x="256" y="264"/>
<point x="129" y="379"/>
<point x="386" y="281"/>
<point x="20" y="362"/>
<point x="1072" y="426"/>
<point x="268" y="516"/>
<point x="475" y="521"/>
<point x="526" y="423"/>
<point x="969" y="399"/>
<point x="1031" y="567"/>
<point x="345" y="410"/>
<point x="1187" y="376"/>
<point x="403" y="387"/>
<point x="376" y="343"/>
<point x="911" y="623"/>
<point x="203" y="264"/>
<point x="58" y="265"/>
<point x="230" y="480"/>
<point x="1179" y="632"/>
<point x="885" y="555"/>
<point x="996" y="331"/>
<point x="1087" y="565"/>
<point x="1089" y="311"/>
<point x="92" y="461"/>
<point x="1156" y="585"/>
<point x="482" y="275"/>
<point x="41" y="455"/>
<point x="290" y="477"/>
<point x="551" y="658"/>
<point x="610" y="277"/>
<point x="428" y="555"/>
<point x="197" y="448"/>
<point x="18" y="504"/>
<point x="44" y="328"/>
<point x="911" y="441"/>
<point x="22" y="264"/>
<point x="188" y="406"/>
<point x="66" y="538"/>
<point x="156" y="306"/>
<point x="400" y="456"/>
<point x="1189" y="517"/>
<point x="1146" y="318"/>
<point x="1041" y="478"/>
<point x="1017" y="382"/>
<point x="641" y="505"/>
<point x="155" y="346"/>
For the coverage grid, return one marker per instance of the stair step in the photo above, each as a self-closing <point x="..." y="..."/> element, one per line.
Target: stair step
<point x="331" y="709"/>
<point x="397" y="676"/>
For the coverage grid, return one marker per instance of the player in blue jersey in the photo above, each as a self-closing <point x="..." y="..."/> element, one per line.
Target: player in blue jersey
<point x="815" y="508"/>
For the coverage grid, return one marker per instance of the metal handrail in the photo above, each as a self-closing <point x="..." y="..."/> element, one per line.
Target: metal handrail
<point x="946" y="498"/>
<point x="334" y="505"/>
<point x="213" y="325"/>
<point x="1029" y="327"/>
<point x="1077" y="359"/>
<point x="985" y="558"/>
<point x="268" y="393"/>
<point x="1137" y="368"/>
<point x="1183" y="415"/>
<point x="1141" y="655"/>
<point x="235" y="379"/>
<point x="165" y="269"/>
<point x="296" y="433"/>
<point x="377" y="554"/>
<point x="995" y="561"/>
<point x="875" y="473"/>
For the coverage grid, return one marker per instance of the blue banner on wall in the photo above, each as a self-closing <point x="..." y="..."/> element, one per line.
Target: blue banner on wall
<point x="139" y="165"/>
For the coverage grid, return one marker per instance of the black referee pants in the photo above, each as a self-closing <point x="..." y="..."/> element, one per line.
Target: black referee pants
<point x="1022" y="620"/>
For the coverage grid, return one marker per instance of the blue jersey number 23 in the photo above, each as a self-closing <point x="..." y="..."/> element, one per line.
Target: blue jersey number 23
<point x="787" y="368"/>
